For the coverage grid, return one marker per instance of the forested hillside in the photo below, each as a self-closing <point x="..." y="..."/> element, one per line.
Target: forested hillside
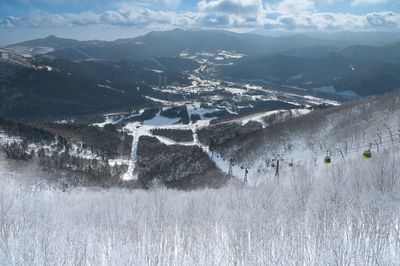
<point x="313" y="213"/>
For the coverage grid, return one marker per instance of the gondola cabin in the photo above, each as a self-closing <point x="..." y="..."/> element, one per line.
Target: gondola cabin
<point x="367" y="154"/>
<point x="327" y="160"/>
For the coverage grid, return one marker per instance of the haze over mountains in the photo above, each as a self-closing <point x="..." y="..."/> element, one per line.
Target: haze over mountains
<point x="67" y="77"/>
<point x="172" y="43"/>
<point x="52" y="70"/>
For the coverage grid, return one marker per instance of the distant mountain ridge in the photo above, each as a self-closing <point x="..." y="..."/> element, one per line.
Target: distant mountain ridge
<point x="167" y="43"/>
<point x="67" y="77"/>
<point x="363" y="69"/>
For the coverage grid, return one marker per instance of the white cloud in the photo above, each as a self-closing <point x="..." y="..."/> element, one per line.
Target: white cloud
<point x="383" y="19"/>
<point x="335" y="22"/>
<point x="236" y="7"/>
<point x="82" y="19"/>
<point x="359" y="2"/>
<point x="291" y="6"/>
<point x="126" y="15"/>
<point x="139" y="16"/>
<point x="55" y="2"/>
<point x="148" y="3"/>
<point x="226" y="14"/>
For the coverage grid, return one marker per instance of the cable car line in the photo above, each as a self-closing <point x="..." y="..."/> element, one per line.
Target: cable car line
<point x="381" y="142"/>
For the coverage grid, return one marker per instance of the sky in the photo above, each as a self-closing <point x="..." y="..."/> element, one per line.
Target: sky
<point x="112" y="19"/>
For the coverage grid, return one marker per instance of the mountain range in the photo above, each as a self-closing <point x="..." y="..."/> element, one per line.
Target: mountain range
<point x="164" y="43"/>
<point x="64" y="77"/>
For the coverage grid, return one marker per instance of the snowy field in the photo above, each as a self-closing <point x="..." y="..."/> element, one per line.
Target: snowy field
<point x="341" y="214"/>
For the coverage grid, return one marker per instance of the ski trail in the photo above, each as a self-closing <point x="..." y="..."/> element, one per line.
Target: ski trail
<point x="197" y="142"/>
<point x="221" y="163"/>
<point x="136" y="130"/>
<point x="129" y="175"/>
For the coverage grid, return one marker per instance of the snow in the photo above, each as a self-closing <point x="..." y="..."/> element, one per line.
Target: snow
<point x="138" y="129"/>
<point x="47" y="68"/>
<point x="346" y="213"/>
<point x="65" y="121"/>
<point x="231" y="55"/>
<point x="269" y="224"/>
<point x="325" y="89"/>
<point x="298" y="76"/>
<point x="158" y="100"/>
<point x="5" y="138"/>
<point x="114" y="162"/>
<point x="114" y="118"/>
<point x="159" y="120"/>
<point x="110" y="88"/>
<point x="135" y="130"/>
<point x="109" y="120"/>
<point x="169" y="141"/>
<point x="21" y="50"/>
<point x="157" y="71"/>
<point x="194" y="108"/>
<point x="207" y="54"/>
<point x="316" y="100"/>
<point x="331" y="90"/>
<point x="11" y="58"/>
<point x="238" y="91"/>
<point x="259" y="117"/>
<point x="349" y="94"/>
<point x="82" y="153"/>
<point x="159" y="64"/>
<point x="294" y="87"/>
<point x="262" y="81"/>
<point x="82" y="53"/>
<point x="241" y="90"/>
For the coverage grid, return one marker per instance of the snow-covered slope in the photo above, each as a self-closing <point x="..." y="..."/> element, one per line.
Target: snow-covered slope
<point x="345" y="213"/>
<point x="343" y="132"/>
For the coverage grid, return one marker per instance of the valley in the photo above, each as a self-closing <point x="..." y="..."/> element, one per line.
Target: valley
<point x="164" y="94"/>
